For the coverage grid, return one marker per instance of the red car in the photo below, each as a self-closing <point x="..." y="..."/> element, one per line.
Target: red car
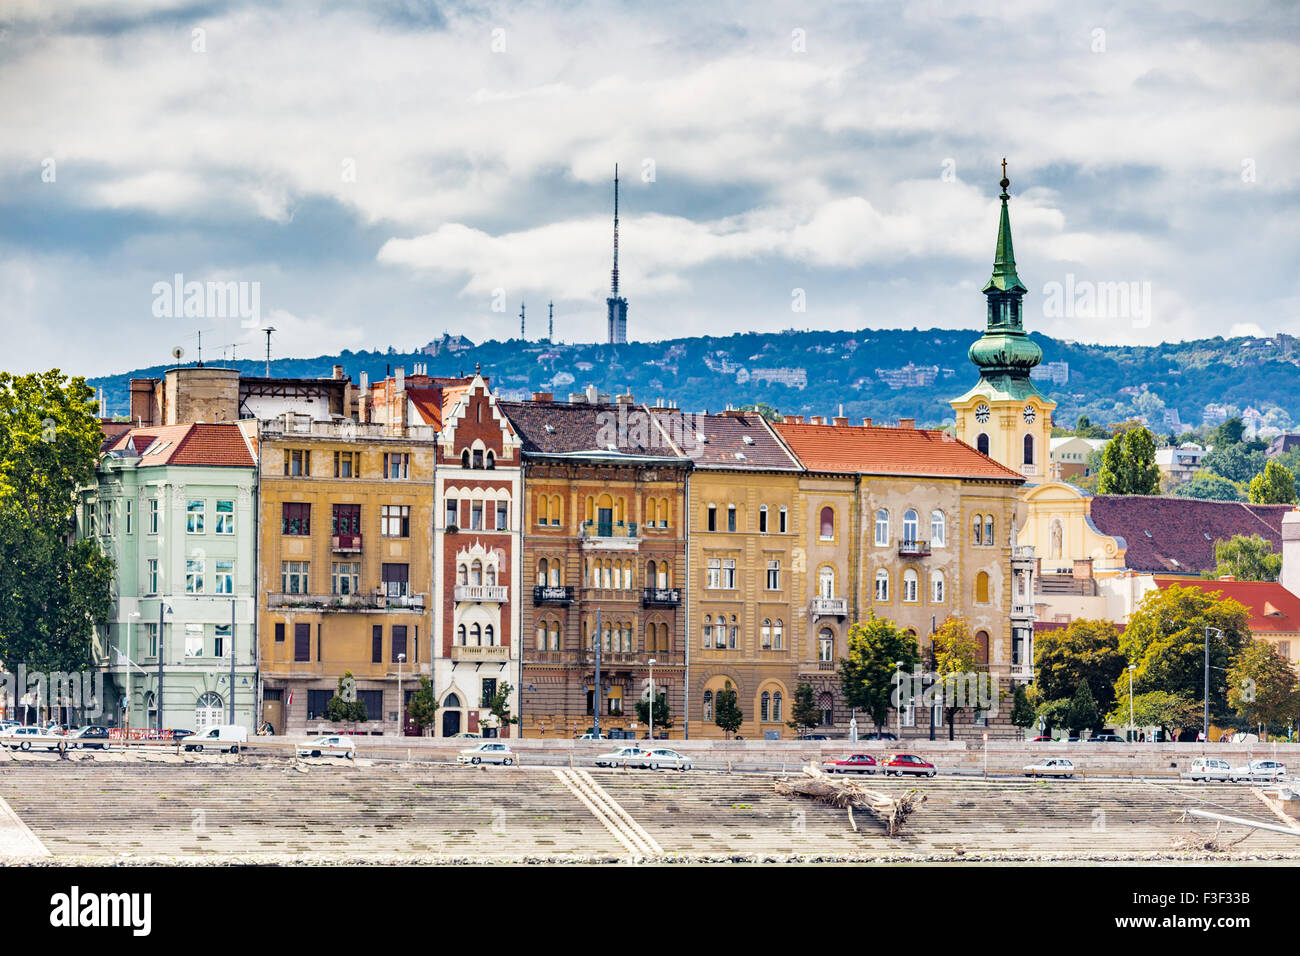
<point x="900" y="764"/>
<point x="1042" y="740"/>
<point x="856" y="763"/>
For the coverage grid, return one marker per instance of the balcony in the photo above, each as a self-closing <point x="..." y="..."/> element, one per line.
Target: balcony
<point x="1022" y="611"/>
<point x="493" y="593"/>
<point x="609" y="536"/>
<point x="479" y="654"/>
<point x="828" y="607"/>
<point x="553" y="594"/>
<point x="346" y="602"/>
<point x="661" y="597"/>
<point x="345" y="543"/>
<point x="913" y="549"/>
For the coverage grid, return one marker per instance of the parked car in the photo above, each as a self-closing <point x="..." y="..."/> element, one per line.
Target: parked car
<point x="176" y="736"/>
<point x="90" y="738"/>
<point x="592" y="737"/>
<point x="329" y="745"/>
<point x="875" y="736"/>
<point x="1051" y="767"/>
<point x="900" y="764"/>
<point x="624" y="757"/>
<point x="1208" y="768"/>
<point x="1043" y="740"/>
<point x="25" y="738"/>
<point x="222" y="737"/>
<point x="663" y="757"/>
<point x="490" y="751"/>
<point x="854" y="763"/>
<point x="1258" y="770"/>
<point x="1106" y="739"/>
<point x="468" y="735"/>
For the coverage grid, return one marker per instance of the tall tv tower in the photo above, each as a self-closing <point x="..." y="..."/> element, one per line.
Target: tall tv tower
<point x="550" y="321"/>
<point x="522" y="335"/>
<point x="617" y="304"/>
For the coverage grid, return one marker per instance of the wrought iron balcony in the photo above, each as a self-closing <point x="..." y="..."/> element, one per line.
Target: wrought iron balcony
<point x="913" y="549"/>
<point x="346" y="543"/>
<point x="345" y="602"/>
<point x="661" y="597"/>
<point x="553" y="594"/>
<point x="829" y="607"/>
<point x="494" y="593"/>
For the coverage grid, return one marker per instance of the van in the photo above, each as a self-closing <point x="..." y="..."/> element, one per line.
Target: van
<point x="223" y="737"/>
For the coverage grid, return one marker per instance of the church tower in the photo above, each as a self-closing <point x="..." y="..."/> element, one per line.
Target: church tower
<point x="1004" y="415"/>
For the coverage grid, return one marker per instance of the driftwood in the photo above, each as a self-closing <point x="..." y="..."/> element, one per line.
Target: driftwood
<point x="1197" y="841"/>
<point x="841" y="791"/>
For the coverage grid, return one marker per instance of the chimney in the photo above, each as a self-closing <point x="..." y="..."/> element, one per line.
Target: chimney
<point x="544" y="398"/>
<point x="593" y="396"/>
<point x="338" y="371"/>
<point x="909" y="423"/>
<point x="625" y="399"/>
<point x="814" y="419"/>
<point x="795" y="419"/>
<point x="866" y="423"/>
<point x="840" y="421"/>
<point x="1290" y="576"/>
<point x="401" y="379"/>
<point x="365" y="382"/>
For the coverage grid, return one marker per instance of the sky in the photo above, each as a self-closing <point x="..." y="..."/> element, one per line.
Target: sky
<point x="373" y="174"/>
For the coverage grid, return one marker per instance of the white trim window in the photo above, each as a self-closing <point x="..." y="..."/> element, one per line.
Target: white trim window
<point x="911" y="586"/>
<point x="774" y="575"/>
<point x="882" y="528"/>
<point x="882" y="585"/>
<point x="714" y="580"/>
<point x="225" y="517"/>
<point x="195" y="509"/>
<point x="225" y="577"/>
<point x="936" y="587"/>
<point x="938" y="529"/>
<point x="193" y="575"/>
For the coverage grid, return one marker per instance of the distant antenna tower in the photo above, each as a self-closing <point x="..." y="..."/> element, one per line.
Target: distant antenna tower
<point x="268" y="330"/>
<point x="616" y="304"/>
<point x="522" y="334"/>
<point x="550" y="321"/>
<point x="200" y="350"/>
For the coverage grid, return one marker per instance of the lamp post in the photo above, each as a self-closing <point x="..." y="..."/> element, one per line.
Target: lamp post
<point x="1131" y="669"/>
<point x="1206" y="728"/>
<point x="401" y="710"/>
<point x="899" y="672"/>
<point x="652" y="701"/>
<point x="128" y="667"/>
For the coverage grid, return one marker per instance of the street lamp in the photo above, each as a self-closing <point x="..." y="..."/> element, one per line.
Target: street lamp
<point x="1206" y="728"/>
<point x="899" y="672"/>
<point x="401" y="709"/>
<point x="1131" y="669"/>
<point x="128" y="667"/>
<point x="652" y="701"/>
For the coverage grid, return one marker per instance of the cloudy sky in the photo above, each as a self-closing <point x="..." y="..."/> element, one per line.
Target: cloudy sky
<point x="387" y="171"/>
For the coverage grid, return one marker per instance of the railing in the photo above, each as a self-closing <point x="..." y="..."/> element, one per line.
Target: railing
<point x="661" y="597"/>
<point x="1022" y="610"/>
<point x="553" y="594"/>
<point x="606" y="529"/>
<point x="1023" y="552"/>
<point x="913" y="549"/>
<point x="301" y="425"/>
<point x="471" y="652"/>
<point x="829" y="607"/>
<point x="496" y="593"/>
<point x="345" y="602"/>
<point x="346" y="542"/>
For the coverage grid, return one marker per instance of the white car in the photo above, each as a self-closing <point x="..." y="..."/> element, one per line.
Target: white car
<point x="591" y="737"/>
<point x="1258" y="770"/>
<point x="624" y="757"/>
<point x="329" y="745"/>
<point x="490" y="751"/>
<point x="1209" y="768"/>
<point x="663" y="757"/>
<point x="25" y="738"/>
<point x="1051" y="767"/>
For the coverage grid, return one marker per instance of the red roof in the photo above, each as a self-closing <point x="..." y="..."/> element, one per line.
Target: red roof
<point x="1273" y="609"/>
<point x="877" y="450"/>
<point x="208" y="445"/>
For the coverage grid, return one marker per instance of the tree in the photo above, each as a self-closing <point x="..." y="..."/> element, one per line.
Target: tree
<point x="1083" y="713"/>
<point x="726" y="712"/>
<point x="1246" y="558"/>
<point x="956" y="655"/>
<point x="1022" y="711"/>
<point x="345" y="706"/>
<point x="1231" y="432"/>
<point x="804" y="714"/>
<point x="867" y="675"/>
<point x="1128" y="465"/>
<point x="1157" y="708"/>
<point x="54" y="590"/>
<point x="423" y="708"/>
<point x="499" y="705"/>
<point x="1084" y="428"/>
<point x="1235" y="462"/>
<point x="1205" y="484"/>
<point x="1273" y="486"/>
<point x="1055" y="714"/>
<point x="1262" y="686"/>
<point x="1087" y="651"/>
<point x="663" y="714"/>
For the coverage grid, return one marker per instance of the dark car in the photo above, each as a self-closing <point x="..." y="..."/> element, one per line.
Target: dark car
<point x="175" y="736"/>
<point x="873" y="736"/>
<point x="1106" y="739"/>
<point x="91" y="738"/>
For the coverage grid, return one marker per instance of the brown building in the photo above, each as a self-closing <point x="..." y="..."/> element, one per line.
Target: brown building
<point x="605" y="549"/>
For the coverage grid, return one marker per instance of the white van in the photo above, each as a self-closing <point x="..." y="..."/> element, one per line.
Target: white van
<point x="223" y="737"/>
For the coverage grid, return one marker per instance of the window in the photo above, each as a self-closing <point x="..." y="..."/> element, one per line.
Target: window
<point x="318" y="703"/>
<point x="128" y="513"/>
<point x="776" y="707"/>
<point x="882" y="528"/>
<point x="88" y="520"/>
<point x="826" y="704"/>
<point x="478" y="458"/>
<point x="151" y="576"/>
<point x="714" y="574"/>
<point x="297" y="462"/>
<point x="765" y="708"/>
<point x="826" y="645"/>
<point x="982" y="648"/>
<point x="108" y="519"/>
<point x="728" y="573"/>
<point x="153" y="515"/>
<point x="194" y="511"/>
<point x="774" y="575"/>
<point x="827" y="524"/>
<point x="399" y="642"/>
<point x="395" y="521"/>
<point x="712" y="520"/>
<point x="489" y="690"/>
<point x="345" y="519"/>
<point x="778" y="636"/>
<point x="882" y="585"/>
<point x="1029" y="449"/>
<point x="555" y="511"/>
<point x="762" y="519"/>
<point x="293" y="577"/>
<point x="151" y="635"/>
<point x="397" y="465"/>
<point x="225" y="517"/>
<point x="543" y="508"/>
<point x="938" y="529"/>
<point x="279" y="632"/>
<point x="910" y="586"/>
<point x="453" y="513"/>
<point x="476" y="515"/>
<point x="344" y="578"/>
<point x="376" y="643"/>
<point x="911" y="526"/>
<point x="708" y="705"/>
<point x="731" y="517"/>
<point x="373" y="702"/>
<point x="302" y="643"/>
<point x="988" y="531"/>
<point x="982" y="443"/>
<point x="395" y="578"/>
<point x="347" y="464"/>
<point x="766" y="635"/>
<point x="221" y="640"/>
<point x="826" y="583"/>
<point x="936" y="587"/>
<point x="784" y="515"/>
<point x="464" y="458"/>
<point x="295" y="518"/>
<point x="982" y="588"/>
<point x="225" y="577"/>
<point x="707" y="630"/>
<point x="503" y="516"/>
<point x="193" y="575"/>
<point x="977" y="530"/>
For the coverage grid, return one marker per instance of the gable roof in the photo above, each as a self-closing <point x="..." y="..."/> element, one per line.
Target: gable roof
<point x="577" y="429"/>
<point x="1273" y="609"/>
<point x="202" y="444"/>
<point x="1168" y="535"/>
<point x="879" y="450"/>
<point x="731" y="441"/>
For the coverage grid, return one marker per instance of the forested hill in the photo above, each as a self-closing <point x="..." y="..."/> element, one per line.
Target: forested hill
<point x="881" y="375"/>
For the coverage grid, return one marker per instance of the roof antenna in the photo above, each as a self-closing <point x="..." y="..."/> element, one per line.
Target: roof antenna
<point x="614" y="274"/>
<point x="550" y="321"/>
<point x="521" y="322"/>
<point x="268" y="330"/>
<point x="200" y="350"/>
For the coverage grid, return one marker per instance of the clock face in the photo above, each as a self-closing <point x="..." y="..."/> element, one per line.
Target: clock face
<point x="981" y="413"/>
<point x="1030" y="414"/>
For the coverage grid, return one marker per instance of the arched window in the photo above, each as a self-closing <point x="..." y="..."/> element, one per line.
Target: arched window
<point x="543" y="508"/>
<point x="988" y="531"/>
<point x="765" y="634"/>
<point x="555" y="636"/>
<point x="452" y="701"/>
<point x="762" y="519"/>
<point x="936" y="586"/>
<point x="826" y="582"/>
<point x="555" y="573"/>
<point x="826" y="645"/>
<point x="489" y="636"/>
<point x="491" y="460"/>
<point x="556" y="511"/>
<point x="707" y="630"/>
<point x="541" y="636"/>
<point x="491" y="574"/>
<point x="209" y="711"/>
<point x="778" y="636"/>
<point x="982" y="443"/>
<point x="765" y="707"/>
<point x="977" y="530"/>
<point x="541" y="571"/>
<point x="882" y="585"/>
<point x="460" y="635"/>
<point x="882" y="528"/>
<point x="476" y="572"/>
<point x="462" y="574"/>
<point x="827" y="524"/>
<point x="982" y="648"/>
<point x="708" y="705"/>
<point x="784" y="522"/>
<point x="1029" y="449"/>
<point x="982" y="588"/>
<point x="776" y="707"/>
<point x="938" y="529"/>
<point x="910" y="585"/>
<point x="476" y="633"/>
<point x="464" y="458"/>
<point x="911" y="526"/>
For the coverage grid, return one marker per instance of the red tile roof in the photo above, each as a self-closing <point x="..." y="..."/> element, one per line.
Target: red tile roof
<point x="873" y="450"/>
<point x="1273" y="609"/>
<point x="1167" y="535"/>
<point x="206" y="445"/>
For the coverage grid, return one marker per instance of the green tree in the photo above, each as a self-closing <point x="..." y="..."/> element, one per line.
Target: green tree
<point x="423" y="708"/>
<point x="726" y="711"/>
<point x="1128" y="465"/>
<point x="1087" y="651"/>
<point x="1246" y="558"/>
<point x="1022" y="711"/>
<point x="1157" y="708"/>
<point x="804" y="714"/>
<point x="1083" y="713"/>
<point x="499" y="705"/>
<point x="345" y="706"/>
<point x="956" y="656"/>
<point x="1262" y="686"/>
<point x="1273" y="486"/>
<point x="1084" y="428"/>
<point x="1237" y="463"/>
<point x="663" y="713"/>
<point x="1205" y="484"/>
<point x="867" y="675"/>
<point x="54" y="589"/>
<point x="1231" y="432"/>
<point x="1055" y="714"/>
